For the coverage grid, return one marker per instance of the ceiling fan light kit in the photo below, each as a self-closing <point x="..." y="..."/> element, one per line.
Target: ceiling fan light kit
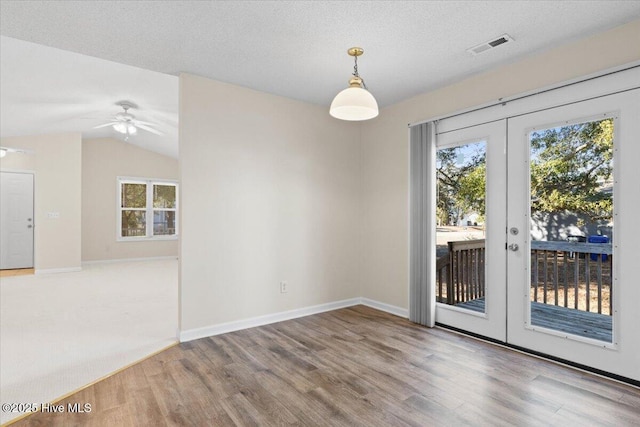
<point x="354" y="103"/>
<point x="126" y="123"/>
<point x="125" y="128"/>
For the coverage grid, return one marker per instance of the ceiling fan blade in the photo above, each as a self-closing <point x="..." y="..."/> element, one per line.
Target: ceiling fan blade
<point x="148" y="129"/>
<point x="137" y="122"/>
<point x="105" y="125"/>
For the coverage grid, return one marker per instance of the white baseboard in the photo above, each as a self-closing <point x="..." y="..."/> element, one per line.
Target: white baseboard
<point x="113" y="261"/>
<point x="223" y="328"/>
<point x="392" y="309"/>
<point x="39" y="271"/>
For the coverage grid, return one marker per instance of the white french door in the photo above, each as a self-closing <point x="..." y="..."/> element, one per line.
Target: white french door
<point x="16" y="220"/>
<point x="470" y="288"/>
<point x="544" y="255"/>
<point x="567" y="297"/>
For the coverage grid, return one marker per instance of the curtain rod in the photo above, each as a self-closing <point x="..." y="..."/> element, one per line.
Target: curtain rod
<point x="505" y="101"/>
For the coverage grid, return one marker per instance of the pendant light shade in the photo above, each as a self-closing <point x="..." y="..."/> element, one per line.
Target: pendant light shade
<point x="355" y="102"/>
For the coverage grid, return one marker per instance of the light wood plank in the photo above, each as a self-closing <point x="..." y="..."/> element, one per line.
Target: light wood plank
<point x="354" y="366"/>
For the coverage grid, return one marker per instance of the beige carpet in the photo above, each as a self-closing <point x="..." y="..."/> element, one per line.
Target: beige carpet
<point x="60" y="332"/>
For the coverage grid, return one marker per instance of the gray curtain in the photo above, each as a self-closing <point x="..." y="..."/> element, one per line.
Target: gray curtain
<point x="422" y="188"/>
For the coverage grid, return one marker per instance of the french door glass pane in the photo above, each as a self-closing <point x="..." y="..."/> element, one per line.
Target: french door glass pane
<point x="571" y="178"/>
<point x="460" y="225"/>
<point x="134" y="223"/>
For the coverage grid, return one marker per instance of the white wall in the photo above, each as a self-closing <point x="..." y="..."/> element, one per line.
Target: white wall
<point x="103" y="160"/>
<point x="384" y="269"/>
<point x="271" y="191"/>
<point x="56" y="161"/>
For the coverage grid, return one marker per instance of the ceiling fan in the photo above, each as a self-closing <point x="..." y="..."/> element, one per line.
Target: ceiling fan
<point x="126" y="123"/>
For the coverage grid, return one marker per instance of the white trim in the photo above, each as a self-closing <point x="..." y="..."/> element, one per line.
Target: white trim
<point x="223" y="328"/>
<point x="40" y="271"/>
<point x="113" y="261"/>
<point x="606" y="85"/>
<point x="392" y="309"/>
<point x="143" y="180"/>
<point x="149" y="210"/>
<point x="465" y="311"/>
<point x="31" y="171"/>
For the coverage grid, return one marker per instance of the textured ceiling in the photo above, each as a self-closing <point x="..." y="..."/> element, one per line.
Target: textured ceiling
<point x="298" y="49"/>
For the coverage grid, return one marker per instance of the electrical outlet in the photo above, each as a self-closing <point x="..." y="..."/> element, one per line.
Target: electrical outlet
<point x="284" y="287"/>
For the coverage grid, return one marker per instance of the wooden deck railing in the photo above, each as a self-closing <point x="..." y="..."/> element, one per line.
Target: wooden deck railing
<point x="460" y="273"/>
<point x="568" y="274"/>
<point x="572" y="274"/>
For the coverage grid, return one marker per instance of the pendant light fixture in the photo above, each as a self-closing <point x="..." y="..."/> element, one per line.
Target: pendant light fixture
<point x="355" y="102"/>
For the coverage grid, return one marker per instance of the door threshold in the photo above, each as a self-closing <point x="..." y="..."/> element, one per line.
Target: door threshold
<point x="17" y="272"/>
<point x="565" y="362"/>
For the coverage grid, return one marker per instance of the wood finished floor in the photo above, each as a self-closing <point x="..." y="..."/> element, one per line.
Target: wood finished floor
<point x="17" y="272"/>
<point x="350" y="367"/>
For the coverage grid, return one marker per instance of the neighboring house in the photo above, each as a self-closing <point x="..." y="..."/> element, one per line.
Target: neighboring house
<point x="470" y="219"/>
<point x="561" y="225"/>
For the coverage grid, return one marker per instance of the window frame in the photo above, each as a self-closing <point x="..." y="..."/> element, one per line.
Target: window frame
<point x="149" y="209"/>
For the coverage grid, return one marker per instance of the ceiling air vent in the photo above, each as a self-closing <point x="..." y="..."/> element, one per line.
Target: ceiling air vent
<point x="491" y="44"/>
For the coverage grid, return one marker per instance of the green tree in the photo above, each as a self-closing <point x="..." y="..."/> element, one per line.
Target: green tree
<point x="133" y="221"/>
<point x="571" y="169"/>
<point x="471" y="194"/>
<point x="570" y="166"/>
<point x="460" y="184"/>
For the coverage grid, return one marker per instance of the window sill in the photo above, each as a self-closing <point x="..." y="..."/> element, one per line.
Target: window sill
<point x="146" y="239"/>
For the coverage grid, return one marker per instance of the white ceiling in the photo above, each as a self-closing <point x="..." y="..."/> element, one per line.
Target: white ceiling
<point x="294" y="49"/>
<point x="45" y="90"/>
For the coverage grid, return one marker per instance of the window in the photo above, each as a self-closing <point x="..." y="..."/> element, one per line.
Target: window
<point x="147" y="209"/>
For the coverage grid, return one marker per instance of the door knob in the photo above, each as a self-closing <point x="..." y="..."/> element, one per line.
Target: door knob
<point x="29" y="226"/>
<point x="513" y="247"/>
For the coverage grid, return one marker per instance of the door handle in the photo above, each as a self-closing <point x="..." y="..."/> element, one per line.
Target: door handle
<point x="513" y="247"/>
<point x="29" y="226"/>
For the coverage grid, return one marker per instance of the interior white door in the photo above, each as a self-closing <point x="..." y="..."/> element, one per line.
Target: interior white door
<point x="470" y="231"/>
<point x="16" y="220"/>
<point x="549" y="261"/>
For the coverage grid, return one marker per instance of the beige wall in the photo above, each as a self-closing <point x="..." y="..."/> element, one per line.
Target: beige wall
<point x="271" y="190"/>
<point x="103" y="160"/>
<point x="385" y="153"/>
<point x="56" y="161"/>
<point x="277" y="190"/>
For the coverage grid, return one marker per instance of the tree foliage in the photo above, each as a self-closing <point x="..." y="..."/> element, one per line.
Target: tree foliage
<point x="571" y="167"/>
<point x="133" y="221"/>
<point x="460" y="185"/>
<point x="571" y="170"/>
